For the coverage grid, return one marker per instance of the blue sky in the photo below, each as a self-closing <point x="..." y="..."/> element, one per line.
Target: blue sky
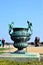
<point x="20" y="11"/>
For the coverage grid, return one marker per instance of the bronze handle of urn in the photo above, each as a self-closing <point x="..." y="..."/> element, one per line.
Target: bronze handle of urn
<point x="11" y="27"/>
<point x="29" y="26"/>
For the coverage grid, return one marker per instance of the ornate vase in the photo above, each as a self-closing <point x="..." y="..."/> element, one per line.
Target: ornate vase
<point x="20" y="36"/>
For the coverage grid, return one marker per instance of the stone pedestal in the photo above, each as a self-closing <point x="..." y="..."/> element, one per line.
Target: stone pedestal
<point x="20" y="57"/>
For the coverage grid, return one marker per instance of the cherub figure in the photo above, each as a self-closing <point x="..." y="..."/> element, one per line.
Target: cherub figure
<point x="11" y="27"/>
<point x="29" y="26"/>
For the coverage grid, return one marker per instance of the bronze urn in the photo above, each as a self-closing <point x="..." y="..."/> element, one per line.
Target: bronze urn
<point x="20" y="36"/>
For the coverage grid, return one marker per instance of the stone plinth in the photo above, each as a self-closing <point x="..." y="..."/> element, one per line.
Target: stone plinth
<point x="20" y="57"/>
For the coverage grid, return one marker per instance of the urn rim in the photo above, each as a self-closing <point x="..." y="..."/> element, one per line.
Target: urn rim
<point x="16" y="29"/>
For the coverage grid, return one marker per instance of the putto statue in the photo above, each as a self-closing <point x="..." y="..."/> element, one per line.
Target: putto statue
<point x="11" y="27"/>
<point x="30" y="26"/>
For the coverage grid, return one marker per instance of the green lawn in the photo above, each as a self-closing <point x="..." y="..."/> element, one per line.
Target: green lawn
<point x="1" y="52"/>
<point x="2" y="49"/>
<point x="8" y="62"/>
